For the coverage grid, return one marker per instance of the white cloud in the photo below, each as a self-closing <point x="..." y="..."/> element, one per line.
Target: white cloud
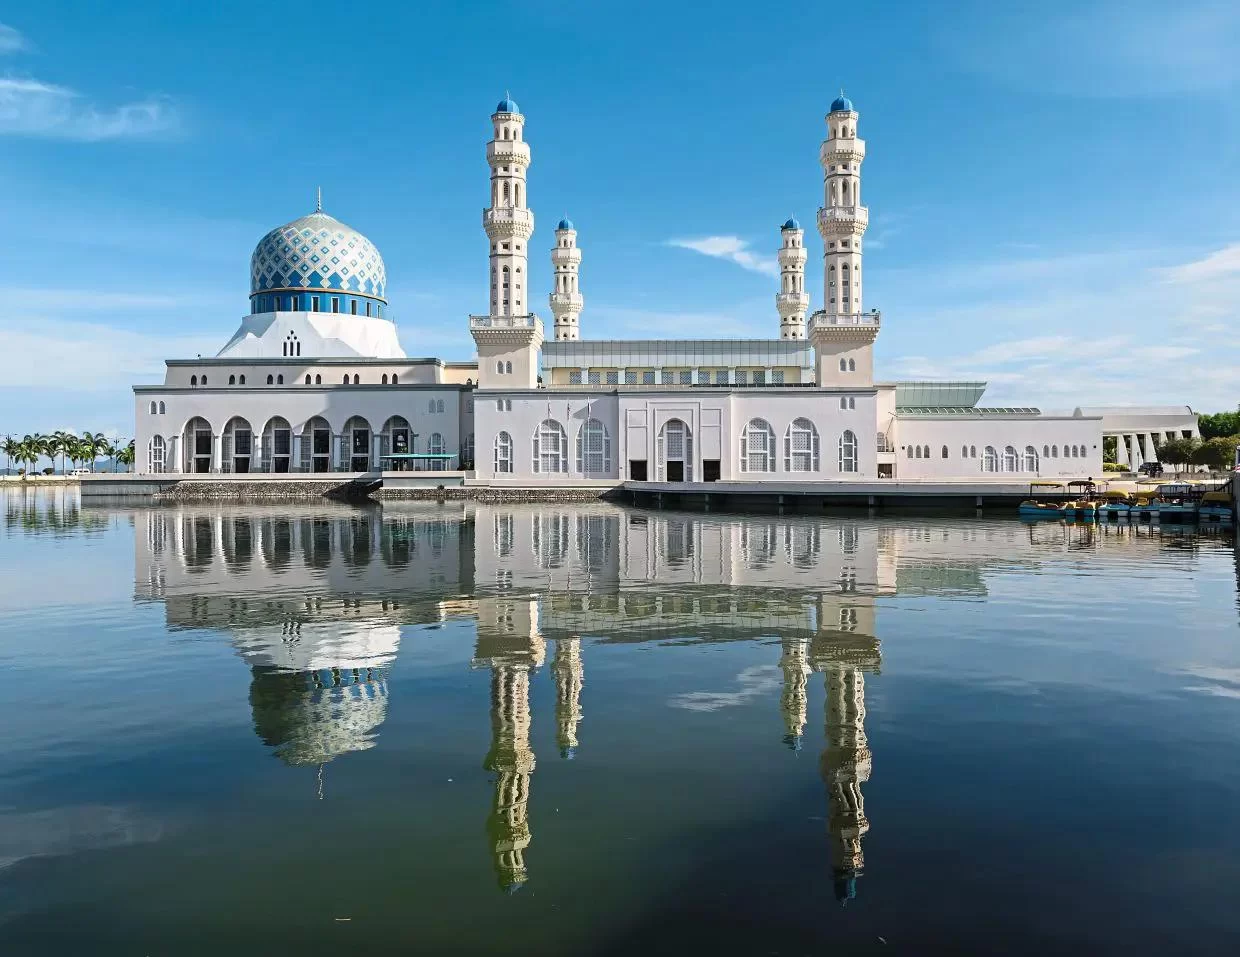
<point x="1219" y="264"/>
<point x="31" y="107"/>
<point x="732" y="248"/>
<point x="1106" y="48"/>
<point x="11" y="40"/>
<point x="755" y="682"/>
<point x="83" y="356"/>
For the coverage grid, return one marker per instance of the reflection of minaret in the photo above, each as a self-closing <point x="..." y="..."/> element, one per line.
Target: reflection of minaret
<point x="566" y="667"/>
<point x="845" y="767"/>
<point x="793" y="663"/>
<point x="510" y="643"/>
<point x="843" y="652"/>
<point x="512" y="760"/>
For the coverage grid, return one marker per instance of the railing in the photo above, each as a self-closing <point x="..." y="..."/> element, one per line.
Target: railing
<point x="843" y="214"/>
<point x="503" y="322"/>
<point x="507" y="214"/>
<point x="821" y="318"/>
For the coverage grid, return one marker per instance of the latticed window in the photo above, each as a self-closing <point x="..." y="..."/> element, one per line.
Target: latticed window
<point x="848" y="451"/>
<point x="155" y="454"/>
<point x="1010" y="459"/>
<point x="990" y="459"/>
<point x="574" y="377"/>
<point x="435" y="445"/>
<point x="593" y="448"/>
<point x="758" y="447"/>
<point x="503" y="452"/>
<point x="801" y="447"/>
<point x="550" y="448"/>
<point x="675" y="447"/>
<point x="1031" y="459"/>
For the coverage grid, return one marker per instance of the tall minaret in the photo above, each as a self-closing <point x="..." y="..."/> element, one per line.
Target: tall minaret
<point x="566" y="667"/>
<point x="842" y="219"/>
<point x="566" y="301"/>
<point x="845" y="767"/>
<point x="508" y="221"/>
<point x="792" y="299"/>
<point x="793" y="663"/>
<point x="842" y="335"/>
<point x="512" y="760"/>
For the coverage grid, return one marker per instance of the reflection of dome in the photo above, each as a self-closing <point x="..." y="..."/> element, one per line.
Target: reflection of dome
<point x="311" y="717"/>
<point x="317" y="252"/>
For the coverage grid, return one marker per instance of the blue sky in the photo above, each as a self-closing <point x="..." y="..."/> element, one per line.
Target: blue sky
<point x="1053" y="187"/>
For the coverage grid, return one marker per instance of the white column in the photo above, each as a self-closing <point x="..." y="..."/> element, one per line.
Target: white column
<point x="1134" y="451"/>
<point x="256" y="452"/>
<point x="334" y="465"/>
<point x="377" y="442"/>
<point x="215" y="453"/>
<point x="1121" y="451"/>
<point x="294" y="464"/>
<point x="172" y="455"/>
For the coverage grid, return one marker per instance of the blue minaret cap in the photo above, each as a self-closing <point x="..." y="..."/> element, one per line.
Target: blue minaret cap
<point x="842" y="104"/>
<point x="566" y="223"/>
<point x="791" y="224"/>
<point x="507" y="105"/>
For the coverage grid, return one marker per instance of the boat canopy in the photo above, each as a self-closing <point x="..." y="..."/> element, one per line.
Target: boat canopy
<point x="1046" y="484"/>
<point x="1218" y="495"/>
<point x="1118" y="494"/>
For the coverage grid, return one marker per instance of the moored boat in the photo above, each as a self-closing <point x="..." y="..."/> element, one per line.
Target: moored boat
<point x="1116" y="504"/>
<point x="1045" y="501"/>
<point x="1216" y="506"/>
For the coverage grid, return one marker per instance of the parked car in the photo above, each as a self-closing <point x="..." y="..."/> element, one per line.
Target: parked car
<point x="77" y="472"/>
<point x="1152" y="469"/>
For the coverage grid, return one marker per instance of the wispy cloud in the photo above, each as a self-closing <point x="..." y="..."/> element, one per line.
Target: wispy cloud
<point x="30" y="107"/>
<point x="732" y="248"/>
<point x="754" y="682"/>
<point x="1221" y="263"/>
<point x="1106" y="48"/>
<point x="11" y="40"/>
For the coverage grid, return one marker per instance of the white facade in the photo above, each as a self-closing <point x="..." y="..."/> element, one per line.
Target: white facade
<point x="315" y="378"/>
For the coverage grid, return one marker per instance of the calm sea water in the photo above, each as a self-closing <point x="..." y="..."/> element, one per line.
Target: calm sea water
<point x="470" y="729"/>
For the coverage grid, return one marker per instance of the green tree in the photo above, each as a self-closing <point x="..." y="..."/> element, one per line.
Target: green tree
<point x="1217" y="453"/>
<point x="62" y="441"/>
<point x="10" y="447"/>
<point x="127" y="455"/>
<point x="1177" y="451"/>
<point x="29" y="450"/>
<point x="1219" y="424"/>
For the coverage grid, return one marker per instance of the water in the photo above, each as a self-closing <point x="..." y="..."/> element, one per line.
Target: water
<point x="470" y="729"/>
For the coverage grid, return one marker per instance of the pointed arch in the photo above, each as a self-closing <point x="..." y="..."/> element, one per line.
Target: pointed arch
<point x="801" y="447"/>
<point x="848" y="451"/>
<point x="550" y="448"/>
<point x="757" y="447"/>
<point x="503" y="453"/>
<point x="593" y="448"/>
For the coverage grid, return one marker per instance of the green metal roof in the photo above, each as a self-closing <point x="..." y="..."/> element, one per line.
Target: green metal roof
<point x="967" y="412"/>
<point x="951" y="395"/>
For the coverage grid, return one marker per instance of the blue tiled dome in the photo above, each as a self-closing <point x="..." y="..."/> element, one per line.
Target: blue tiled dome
<point x="566" y="223"/>
<point x="842" y="104"/>
<point x="792" y="223"/>
<point x="508" y="105"/>
<point x="318" y="252"/>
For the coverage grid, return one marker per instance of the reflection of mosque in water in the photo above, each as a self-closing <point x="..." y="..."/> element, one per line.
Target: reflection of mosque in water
<point x="314" y="602"/>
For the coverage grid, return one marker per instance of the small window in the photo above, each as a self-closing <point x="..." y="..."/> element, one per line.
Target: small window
<point x="307" y="378"/>
<point x="271" y="380"/>
<point x="972" y="451"/>
<point x="335" y="303"/>
<point x="232" y="380"/>
<point x="945" y="451"/>
<point x="964" y="451"/>
<point x="280" y="379"/>
<point x="383" y="379"/>
<point x="204" y="380"/>
<point x="318" y="380"/>
<point x="507" y="368"/>
<point x="314" y="303"/>
<point x="241" y="380"/>
<point x="345" y="380"/>
<point x="353" y="306"/>
<point x="394" y="379"/>
<point x="917" y="450"/>
<point x="499" y="368"/>
<point x="852" y="365"/>
<point x="367" y="308"/>
<point x="356" y="379"/>
<point x="843" y="365"/>
<point x="910" y="451"/>
<point x="161" y="408"/>
<point x="852" y="403"/>
<point x="153" y="407"/>
<point x="843" y="403"/>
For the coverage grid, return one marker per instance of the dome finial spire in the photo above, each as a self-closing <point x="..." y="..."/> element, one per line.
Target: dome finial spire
<point x="318" y="199"/>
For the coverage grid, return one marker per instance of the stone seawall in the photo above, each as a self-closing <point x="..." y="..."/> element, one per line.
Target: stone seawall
<point x="263" y="491"/>
<point x="492" y="496"/>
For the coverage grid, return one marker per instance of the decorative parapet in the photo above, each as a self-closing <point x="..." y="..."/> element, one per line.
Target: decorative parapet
<point x="507" y="221"/>
<point x="843" y="215"/>
<point x="857" y="325"/>
<point x="519" y="330"/>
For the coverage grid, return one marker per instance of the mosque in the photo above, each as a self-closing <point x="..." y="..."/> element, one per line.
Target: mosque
<point x="315" y="380"/>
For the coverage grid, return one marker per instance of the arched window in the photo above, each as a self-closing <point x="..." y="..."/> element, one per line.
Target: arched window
<point x="550" y="448"/>
<point x="435" y="445"/>
<point x="241" y="380"/>
<point x="161" y="408"/>
<point x="945" y="451"/>
<point x="280" y="379"/>
<point x="516" y="194"/>
<point x="593" y="448"/>
<point x="1031" y="459"/>
<point x="499" y="368"/>
<point x="843" y="365"/>
<point x="972" y="451"/>
<point x="204" y="380"/>
<point x="503" y="452"/>
<point x="758" y="447"/>
<point x="1011" y="462"/>
<point x="439" y="405"/>
<point x="307" y="378"/>
<point x="153" y="407"/>
<point x="318" y="379"/>
<point x="990" y="460"/>
<point x="674" y="452"/>
<point x="193" y="380"/>
<point x="909" y="450"/>
<point x="431" y="406"/>
<point x="271" y="380"/>
<point x="232" y="380"/>
<point x="155" y="454"/>
<point x="848" y="451"/>
<point x="507" y="368"/>
<point x="1046" y="451"/>
<point x="852" y="365"/>
<point x="917" y="451"/>
<point x="1054" y="451"/>
<point x="394" y="380"/>
<point x="964" y="451"/>
<point x="852" y="402"/>
<point x="801" y="447"/>
<point x="843" y="402"/>
<point x="505" y="193"/>
<point x="345" y="380"/>
<point x="356" y="379"/>
<point x="383" y="379"/>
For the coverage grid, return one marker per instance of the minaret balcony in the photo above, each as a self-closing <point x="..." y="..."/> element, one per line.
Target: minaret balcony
<point x="845" y="324"/>
<point x="507" y="221"/>
<point x="566" y="301"/>
<point x="790" y="302"/>
<point x="849" y="215"/>
<point x="842" y="150"/>
<point x="528" y="321"/>
<point x="502" y="152"/>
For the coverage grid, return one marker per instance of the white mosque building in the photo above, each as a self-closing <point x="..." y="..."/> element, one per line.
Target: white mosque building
<point x="314" y="380"/>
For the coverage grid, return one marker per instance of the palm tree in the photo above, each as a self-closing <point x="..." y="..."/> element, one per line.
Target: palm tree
<point x="126" y="456"/>
<point x="28" y="451"/>
<point x="10" y="447"/>
<point x="99" y="446"/>
<point x="112" y="451"/>
<point x="63" y="439"/>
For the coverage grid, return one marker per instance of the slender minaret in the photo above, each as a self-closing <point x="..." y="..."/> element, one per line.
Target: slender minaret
<point x="566" y="667"/>
<point x="842" y="219"/>
<point x="845" y="767"/>
<point x="842" y="335"/>
<point x="566" y="301"/>
<point x="508" y="221"/>
<point x="794" y="664"/>
<point x="792" y="299"/>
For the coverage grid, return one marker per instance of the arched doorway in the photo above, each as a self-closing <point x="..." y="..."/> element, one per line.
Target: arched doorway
<point x="675" y="452"/>
<point x="316" y="446"/>
<point x="395" y="444"/>
<point x="277" y="447"/>
<point x="197" y="443"/>
<point x="355" y="445"/>
<point x="237" y="446"/>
